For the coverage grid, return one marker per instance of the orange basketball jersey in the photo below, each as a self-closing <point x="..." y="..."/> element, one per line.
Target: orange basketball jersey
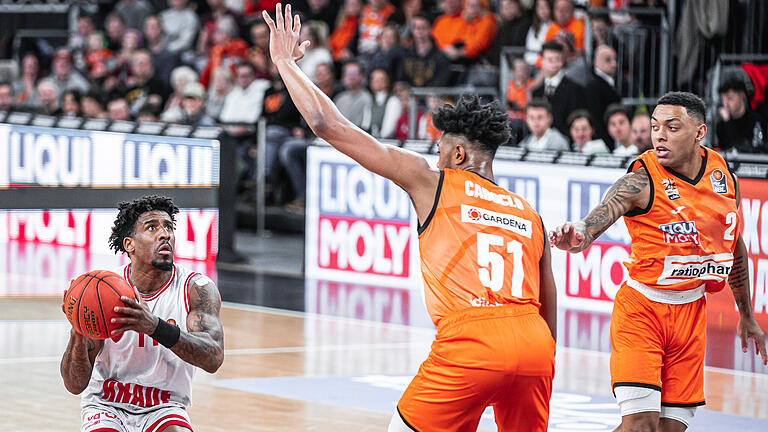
<point x="480" y="246"/>
<point x="687" y="234"/>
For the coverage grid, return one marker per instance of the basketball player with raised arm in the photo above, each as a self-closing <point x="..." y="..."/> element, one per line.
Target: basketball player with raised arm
<point x="141" y="378"/>
<point x="680" y="204"/>
<point x="484" y="258"/>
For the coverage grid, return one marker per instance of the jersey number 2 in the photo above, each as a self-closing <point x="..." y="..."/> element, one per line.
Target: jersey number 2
<point x="491" y="271"/>
<point x="731" y="219"/>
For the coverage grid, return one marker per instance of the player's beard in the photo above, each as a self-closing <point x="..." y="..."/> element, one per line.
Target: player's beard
<point x="162" y="264"/>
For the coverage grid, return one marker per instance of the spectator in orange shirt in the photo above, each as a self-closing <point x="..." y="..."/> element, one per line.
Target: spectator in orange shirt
<point x="468" y="35"/>
<point x="343" y="38"/>
<point x="372" y="22"/>
<point x="566" y="22"/>
<point x="519" y="89"/>
<point x="227" y="50"/>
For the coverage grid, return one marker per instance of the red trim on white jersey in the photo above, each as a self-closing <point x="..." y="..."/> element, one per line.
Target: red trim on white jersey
<point x="186" y="289"/>
<point x="157" y="293"/>
<point x="169" y="420"/>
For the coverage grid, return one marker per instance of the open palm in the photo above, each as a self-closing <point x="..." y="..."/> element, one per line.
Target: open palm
<point x="284" y="35"/>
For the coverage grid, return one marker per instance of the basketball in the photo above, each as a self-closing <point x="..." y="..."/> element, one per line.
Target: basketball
<point x="91" y="299"/>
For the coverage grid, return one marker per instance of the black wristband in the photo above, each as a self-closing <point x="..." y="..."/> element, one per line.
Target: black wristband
<point x="166" y="334"/>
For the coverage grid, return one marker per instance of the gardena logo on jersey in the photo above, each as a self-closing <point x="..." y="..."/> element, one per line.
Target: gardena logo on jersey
<point x="680" y="232"/>
<point x="500" y="220"/>
<point x="680" y="268"/>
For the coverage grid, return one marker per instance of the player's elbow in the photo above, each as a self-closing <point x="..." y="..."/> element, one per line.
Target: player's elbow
<point x="319" y="125"/>
<point x="73" y="386"/>
<point x="215" y="362"/>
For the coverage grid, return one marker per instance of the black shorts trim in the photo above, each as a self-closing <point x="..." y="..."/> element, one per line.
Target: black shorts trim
<point x="423" y="227"/>
<point x="684" y="405"/>
<point x="404" y="420"/>
<point x="634" y="384"/>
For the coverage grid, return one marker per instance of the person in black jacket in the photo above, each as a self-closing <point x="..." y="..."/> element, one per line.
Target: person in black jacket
<point x="740" y="128"/>
<point x="424" y="65"/>
<point x="564" y="95"/>
<point x="600" y="90"/>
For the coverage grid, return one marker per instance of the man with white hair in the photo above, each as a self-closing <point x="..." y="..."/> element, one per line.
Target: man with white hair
<point x="600" y="90"/>
<point x="48" y="96"/>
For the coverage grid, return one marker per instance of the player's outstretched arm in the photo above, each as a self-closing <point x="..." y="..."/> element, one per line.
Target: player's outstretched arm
<point x="202" y="345"/>
<point x="629" y="192"/>
<point x="407" y="169"/>
<point x="548" y="291"/>
<point x="738" y="279"/>
<point x="77" y="362"/>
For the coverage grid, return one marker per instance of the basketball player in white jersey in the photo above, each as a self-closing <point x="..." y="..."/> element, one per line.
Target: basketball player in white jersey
<point x="140" y="379"/>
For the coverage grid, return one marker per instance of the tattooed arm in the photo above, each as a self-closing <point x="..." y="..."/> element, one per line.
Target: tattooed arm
<point x="738" y="279"/>
<point x="202" y="344"/>
<point x="628" y="193"/>
<point x="77" y="362"/>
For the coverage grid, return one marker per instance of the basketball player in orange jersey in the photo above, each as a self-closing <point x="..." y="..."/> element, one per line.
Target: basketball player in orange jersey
<point x="141" y="378"/>
<point x="680" y="204"/>
<point x="484" y="255"/>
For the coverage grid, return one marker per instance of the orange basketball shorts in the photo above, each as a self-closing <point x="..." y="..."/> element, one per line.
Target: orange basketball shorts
<point x="501" y="356"/>
<point x="660" y="346"/>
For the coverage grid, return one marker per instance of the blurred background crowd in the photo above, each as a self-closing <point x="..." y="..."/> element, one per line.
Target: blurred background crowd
<point x="576" y="76"/>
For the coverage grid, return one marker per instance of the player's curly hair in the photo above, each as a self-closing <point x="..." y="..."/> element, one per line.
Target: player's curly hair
<point x="487" y="124"/>
<point x="129" y="212"/>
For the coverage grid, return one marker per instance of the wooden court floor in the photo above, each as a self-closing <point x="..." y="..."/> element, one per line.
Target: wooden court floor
<point x="265" y="343"/>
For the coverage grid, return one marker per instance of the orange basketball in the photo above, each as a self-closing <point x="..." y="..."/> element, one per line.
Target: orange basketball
<point x="91" y="299"/>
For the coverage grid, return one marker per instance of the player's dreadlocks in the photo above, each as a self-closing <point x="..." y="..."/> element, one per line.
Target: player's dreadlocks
<point x="129" y="213"/>
<point x="487" y="124"/>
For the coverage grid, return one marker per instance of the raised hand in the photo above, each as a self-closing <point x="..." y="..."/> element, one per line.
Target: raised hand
<point x="284" y="35"/>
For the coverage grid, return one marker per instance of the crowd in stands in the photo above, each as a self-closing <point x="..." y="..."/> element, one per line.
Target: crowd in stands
<point x="206" y="62"/>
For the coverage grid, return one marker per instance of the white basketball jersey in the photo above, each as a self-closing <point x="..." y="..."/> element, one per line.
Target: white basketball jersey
<point x="136" y="373"/>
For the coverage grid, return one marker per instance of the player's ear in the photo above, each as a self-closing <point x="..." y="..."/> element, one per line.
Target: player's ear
<point x="701" y="132"/>
<point x="128" y="245"/>
<point x="459" y="154"/>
